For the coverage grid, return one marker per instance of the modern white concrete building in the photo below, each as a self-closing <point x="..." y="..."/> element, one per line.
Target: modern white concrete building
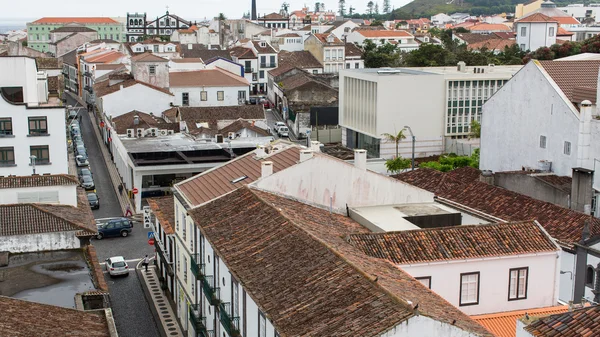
<point x="583" y="13"/>
<point x="438" y="103"/>
<point x="402" y="39"/>
<point x="31" y="122"/>
<point x="535" y="31"/>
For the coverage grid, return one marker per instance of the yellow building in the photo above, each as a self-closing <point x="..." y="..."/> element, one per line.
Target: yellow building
<point x="523" y="9"/>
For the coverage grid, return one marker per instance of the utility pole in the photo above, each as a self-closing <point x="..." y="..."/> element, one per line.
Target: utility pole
<point x="413" y="147"/>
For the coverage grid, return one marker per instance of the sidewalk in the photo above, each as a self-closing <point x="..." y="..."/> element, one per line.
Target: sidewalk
<point x="161" y="309"/>
<point x="112" y="169"/>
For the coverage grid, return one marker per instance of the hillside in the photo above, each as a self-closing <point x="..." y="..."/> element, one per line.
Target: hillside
<point x="427" y="8"/>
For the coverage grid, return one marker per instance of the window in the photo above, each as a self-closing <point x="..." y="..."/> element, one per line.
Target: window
<point x="185" y="269"/>
<point x="151" y="70"/>
<point x="426" y="280"/>
<point x="589" y="277"/>
<point x="469" y="289"/>
<point x="183" y="227"/>
<point x="13" y="94"/>
<point x="7" y="156"/>
<point x="6" y="126"/>
<point x="203" y="96"/>
<point x="327" y="56"/>
<point x="38" y="126"/>
<point x="551" y="31"/>
<point x="356" y="65"/>
<point x="262" y="325"/>
<point x="185" y="99"/>
<point x="523" y="31"/>
<point x="155" y="48"/>
<point x="272" y="60"/>
<point x="567" y="148"/>
<point x="347" y="65"/>
<point x="334" y="54"/>
<point x="522" y="46"/>
<point x="220" y="96"/>
<point x="262" y="74"/>
<point x="315" y="71"/>
<point x="42" y="154"/>
<point x="242" y="94"/>
<point x="517" y="284"/>
<point x="543" y="142"/>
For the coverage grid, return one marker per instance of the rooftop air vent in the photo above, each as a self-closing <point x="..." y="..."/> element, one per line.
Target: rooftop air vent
<point x="237" y="180"/>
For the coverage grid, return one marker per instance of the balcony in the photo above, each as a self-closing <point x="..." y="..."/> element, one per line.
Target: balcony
<point x="162" y="252"/>
<point x="197" y="268"/>
<point x="267" y="65"/>
<point x="197" y="320"/>
<point x="212" y="293"/>
<point x="230" y="323"/>
<point x="88" y="89"/>
<point x="87" y="73"/>
<point x="248" y="70"/>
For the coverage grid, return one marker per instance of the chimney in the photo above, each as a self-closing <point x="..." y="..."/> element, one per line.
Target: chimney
<point x="260" y="152"/>
<point x="360" y="159"/>
<point x="305" y="155"/>
<point x="190" y="46"/>
<point x="253" y="14"/>
<point x="136" y="120"/>
<point x="462" y="66"/>
<point x="583" y="141"/>
<point x="266" y="169"/>
<point x="315" y="146"/>
<point x="121" y="87"/>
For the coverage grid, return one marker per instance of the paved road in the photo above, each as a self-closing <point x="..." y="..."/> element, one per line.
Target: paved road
<point x="130" y="308"/>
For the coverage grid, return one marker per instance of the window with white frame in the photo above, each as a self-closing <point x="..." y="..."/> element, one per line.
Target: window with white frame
<point x="523" y="31"/>
<point x="426" y="280"/>
<point x="543" y="142"/>
<point x="517" y="288"/>
<point x="567" y="148"/>
<point x="334" y="54"/>
<point x="551" y="31"/>
<point x="327" y="55"/>
<point x="185" y="99"/>
<point x="203" y="95"/>
<point x="469" y="288"/>
<point x="262" y="325"/>
<point x="183" y="226"/>
<point x="191" y="235"/>
<point x="220" y="95"/>
<point x="176" y="218"/>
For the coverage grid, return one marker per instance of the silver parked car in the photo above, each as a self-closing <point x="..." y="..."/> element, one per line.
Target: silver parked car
<point x="117" y="266"/>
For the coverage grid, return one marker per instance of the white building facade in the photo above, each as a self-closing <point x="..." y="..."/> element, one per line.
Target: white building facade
<point x="535" y="31"/>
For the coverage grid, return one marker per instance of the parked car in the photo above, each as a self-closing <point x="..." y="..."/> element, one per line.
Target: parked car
<point x="283" y="131"/>
<point x="77" y="143"/>
<point x="278" y="124"/>
<point x="81" y="151"/>
<point x="81" y="161"/>
<point x="116" y="265"/>
<point x="252" y="100"/>
<point x="75" y="131"/>
<point x="93" y="200"/>
<point x="114" y="227"/>
<point x="72" y="114"/>
<point x="85" y="172"/>
<point x="88" y="183"/>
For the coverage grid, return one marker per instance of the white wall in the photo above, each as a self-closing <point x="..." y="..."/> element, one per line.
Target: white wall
<point x="232" y="67"/>
<point x="319" y="178"/>
<point x="591" y="261"/>
<point x="67" y="195"/>
<point x="136" y="97"/>
<point x="537" y="35"/>
<point x="566" y="280"/>
<point x="39" y="242"/>
<point x="230" y="95"/>
<point x="186" y="66"/>
<point x="423" y="326"/>
<point x="512" y="123"/>
<point x="542" y="288"/>
<point x="20" y="72"/>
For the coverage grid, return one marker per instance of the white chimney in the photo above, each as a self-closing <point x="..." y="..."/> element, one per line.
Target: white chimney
<point x="360" y="159"/>
<point x="305" y="155"/>
<point x="461" y="66"/>
<point x="136" y="120"/>
<point x="315" y="146"/>
<point x="121" y="87"/>
<point x="266" y="169"/>
<point x="583" y="141"/>
<point x="260" y="152"/>
<point x="190" y="46"/>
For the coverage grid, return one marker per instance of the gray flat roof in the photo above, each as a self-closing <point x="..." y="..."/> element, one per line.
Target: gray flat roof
<point x="184" y="142"/>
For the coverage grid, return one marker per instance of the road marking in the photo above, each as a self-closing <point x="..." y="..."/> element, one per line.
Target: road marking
<point x="142" y="260"/>
<point x="106" y="271"/>
<point x="132" y="260"/>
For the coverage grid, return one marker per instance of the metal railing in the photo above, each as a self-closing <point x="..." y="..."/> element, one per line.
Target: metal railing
<point x="230" y="323"/>
<point x="197" y="268"/>
<point x="87" y="73"/>
<point x="213" y="294"/>
<point x="88" y="89"/>
<point x="248" y="70"/>
<point x="198" y="321"/>
<point x="267" y="65"/>
<point x="162" y="252"/>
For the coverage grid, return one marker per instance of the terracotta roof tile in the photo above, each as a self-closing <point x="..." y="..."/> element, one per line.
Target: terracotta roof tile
<point x="383" y="33"/>
<point x="561" y="223"/>
<point x="566" y="20"/>
<point x="200" y="51"/>
<point x="455" y="243"/>
<point x="37" y="181"/>
<point x="563" y="32"/>
<point x="571" y="74"/>
<point x="578" y="323"/>
<point x="352" y="50"/>
<point x="317" y="284"/>
<point x="103" y="88"/>
<point x="164" y="210"/>
<point x="489" y="27"/>
<point x="537" y="17"/>
<point x="298" y="59"/>
<point x="148" y="57"/>
<point x="561" y="182"/>
<point x="267" y="49"/>
<point x="492" y="45"/>
<point x="323" y="38"/>
<point x="48" y="63"/>
<point x="242" y="52"/>
<point x="504" y="324"/>
<point x="81" y="20"/>
<point x="206" y="78"/>
<point x="145" y="121"/>
<point x="217" y="182"/>
<point x="110" y="66"/>
<point x="242" y="124"/>
<point x="273" y="16"/>
<point x="23" y="319"/>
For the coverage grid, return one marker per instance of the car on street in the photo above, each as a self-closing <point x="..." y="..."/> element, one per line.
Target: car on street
<point x="88" y="183"/>
<point x="77" y="143"/>
<point x="116" y="266"/>
<point x="114" y="227"/>
<point x="278" y="124"/>
<point x="72" y="114"/>
<point x="84" y="172"/>
<point x="81" y="161"/>
<point x="81" y="150"/>
<point x="283" y="131"/>
<point x="252" y="100"/>
<point x="75" y="131"/>
<point x="93" y="200"/>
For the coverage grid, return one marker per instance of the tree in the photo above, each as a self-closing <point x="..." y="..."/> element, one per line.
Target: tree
<point x="376" y="23"/>
<point x="342" y="7"/>
<point x="222" y="17"/>
<point x="376" y="8"/>
<point x="475" y="129"/>
<point x="370" y="5"/>
<point x="385" y="55"/>
<point x="397" y="138"/>
<point x="351" y="10"/>
<point x="386" y="6"/>
<point x="397" y="164"/>
<point x="317" y="7"/>
<point x="401" y="24"/>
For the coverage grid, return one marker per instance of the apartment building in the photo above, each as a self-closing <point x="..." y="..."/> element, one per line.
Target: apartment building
<point x="328" y="50"/>
<point x="32" y="124"/>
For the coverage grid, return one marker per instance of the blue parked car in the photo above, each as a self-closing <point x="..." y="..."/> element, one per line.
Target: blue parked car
<point x="115" y="227"/>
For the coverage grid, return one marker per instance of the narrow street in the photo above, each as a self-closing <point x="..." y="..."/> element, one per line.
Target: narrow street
<point x="130" y="308"/>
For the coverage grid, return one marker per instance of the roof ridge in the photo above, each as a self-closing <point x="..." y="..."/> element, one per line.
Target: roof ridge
<point x="40" y="208"/>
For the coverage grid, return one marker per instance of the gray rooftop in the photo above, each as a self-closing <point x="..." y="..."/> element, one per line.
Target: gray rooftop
<point x="184" y="142"/>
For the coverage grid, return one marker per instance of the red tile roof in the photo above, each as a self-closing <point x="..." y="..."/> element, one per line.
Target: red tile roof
<point x="217" y="182"/>
<point x="37" y="181"/>
<point x="302" y="59"/>
<point x="571" y="74"/>
<point x="485" y="27"/>
<point x="316" y="284"/>
<point x="206" y="78"/>
<point x="148" y="57"/>
<point x="562" y="224"/>
<point x="504" y="324"/>
<point x="273" y="16"/>
<point x="492" y="45"/>
<point x="164" y="210"/>
<point x="578" y="323"/>
<point x="563" y="32"/>
<point x="455" y="243"/>
<point x="537" y="17"/>
<point x="243" y="124"/>
<point x="81" y="20"/>
<point x="24" y="319"/>
<point x="25" y="219"/>
<point x="145" y="121"/>
<point x="267" y="49"/>
<point x="103" y="88"/>
<point x="566" y="20"/>
<point x="242" y="52"/>
<point x="323" y="38"/>
<point x="353" y="50"/>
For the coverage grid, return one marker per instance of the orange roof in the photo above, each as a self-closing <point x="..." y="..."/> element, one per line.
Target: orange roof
<point x="383" y="33"/>
<point x="563" y="32"/>
<point x="323" y="38"/>
<point x="489" y="27"/>
<point x="190" y="30"/>
<point x="566" y="20"/>
<point x="206" y="77"/>
<point x="504" y="324"/>
<point x="83" y="20"/>
<point x="537" y="17"/>
<point x="107" y="57"/>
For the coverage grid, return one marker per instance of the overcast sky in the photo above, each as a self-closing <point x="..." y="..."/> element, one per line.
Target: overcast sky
<point x="192" y="10"/>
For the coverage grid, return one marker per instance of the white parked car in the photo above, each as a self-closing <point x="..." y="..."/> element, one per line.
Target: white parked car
<point x="117" y="266"/>
<point x="283" y="131"/>
<point x="279" y="124"/>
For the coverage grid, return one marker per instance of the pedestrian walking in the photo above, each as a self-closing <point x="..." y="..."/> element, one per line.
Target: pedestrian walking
<point x="120" y="189"/>
<point x="146" y="262"/>
<point x="128" y="211"/>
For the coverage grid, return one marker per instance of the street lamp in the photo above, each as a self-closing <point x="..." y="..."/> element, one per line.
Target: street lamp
<point x="32" y="161"/>
<point x="413" y="146"/>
